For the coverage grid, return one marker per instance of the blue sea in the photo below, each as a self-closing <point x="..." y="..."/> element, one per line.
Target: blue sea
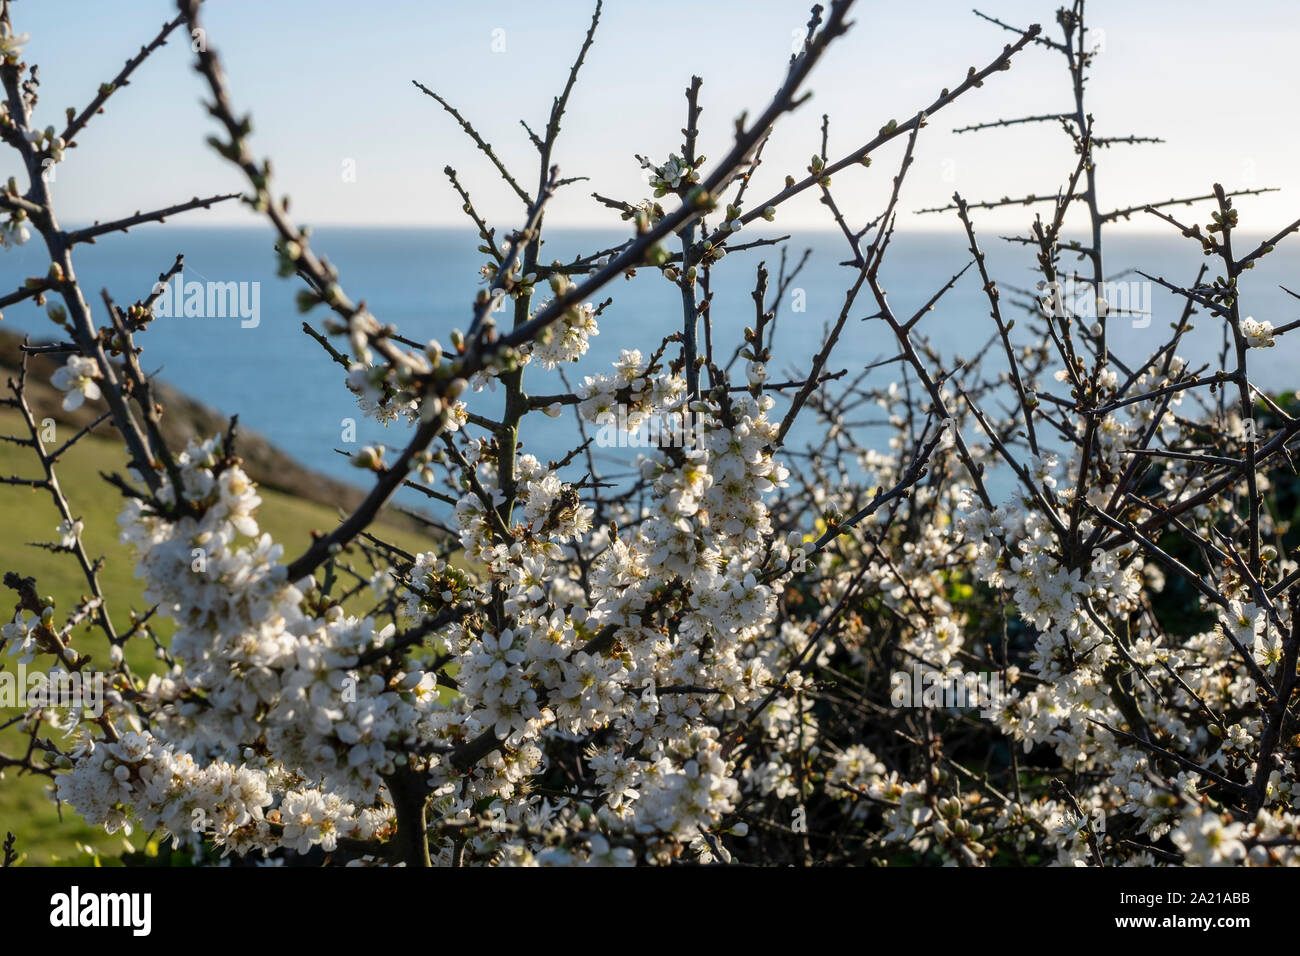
<point x="282" y="383"/>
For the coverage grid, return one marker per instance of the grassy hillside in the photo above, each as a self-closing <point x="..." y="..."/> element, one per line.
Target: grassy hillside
<point x="27" y="516"/>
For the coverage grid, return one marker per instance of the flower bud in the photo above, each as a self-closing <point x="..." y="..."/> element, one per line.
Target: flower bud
<point x="371" y="457"/>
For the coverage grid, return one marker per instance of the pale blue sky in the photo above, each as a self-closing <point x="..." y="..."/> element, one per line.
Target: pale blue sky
<point x="330" y="80"/>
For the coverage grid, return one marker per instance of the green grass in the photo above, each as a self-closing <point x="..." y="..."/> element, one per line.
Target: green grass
<point x="30" y="515"/>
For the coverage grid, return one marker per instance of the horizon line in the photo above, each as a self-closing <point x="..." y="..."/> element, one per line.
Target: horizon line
<point x="1132" y="228"/>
